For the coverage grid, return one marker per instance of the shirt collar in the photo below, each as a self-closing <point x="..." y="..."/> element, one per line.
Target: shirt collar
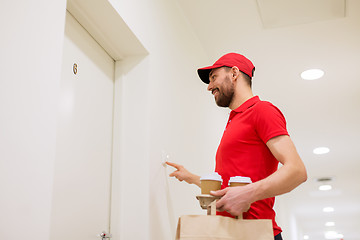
<point x="247" y="104"/>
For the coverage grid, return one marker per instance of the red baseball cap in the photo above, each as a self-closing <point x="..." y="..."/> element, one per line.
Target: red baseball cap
<point x="228" y="60"/>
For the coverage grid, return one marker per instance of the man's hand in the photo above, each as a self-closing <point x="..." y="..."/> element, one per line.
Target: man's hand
<point x="182" y="174"/>
<point x="234" y="200"/>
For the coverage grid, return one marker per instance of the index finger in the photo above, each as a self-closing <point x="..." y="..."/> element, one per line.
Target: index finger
<point x="220" y="194"/>
<point x="219" y="203"/>
<point x="177" y="166"/>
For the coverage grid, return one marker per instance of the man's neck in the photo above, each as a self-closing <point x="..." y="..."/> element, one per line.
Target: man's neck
<point x="240" y="99"/>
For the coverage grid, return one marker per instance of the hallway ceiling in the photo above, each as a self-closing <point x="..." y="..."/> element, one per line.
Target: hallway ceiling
<point x="282" y="40"/>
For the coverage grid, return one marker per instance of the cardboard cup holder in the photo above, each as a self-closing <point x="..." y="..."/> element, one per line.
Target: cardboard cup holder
<point x="205" y="200"/>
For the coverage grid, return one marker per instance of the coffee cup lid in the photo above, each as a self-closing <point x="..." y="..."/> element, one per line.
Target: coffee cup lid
<point x="211" y="176"/>
<point x="239" y="179"/>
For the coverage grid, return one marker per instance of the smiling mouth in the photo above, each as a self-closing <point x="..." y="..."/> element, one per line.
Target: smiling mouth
<point x="214" y="91"/>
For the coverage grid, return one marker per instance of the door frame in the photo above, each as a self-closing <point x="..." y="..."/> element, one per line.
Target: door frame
<point x="106" y="26"/>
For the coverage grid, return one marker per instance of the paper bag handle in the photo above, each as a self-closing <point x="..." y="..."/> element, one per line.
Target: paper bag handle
<point x="212" y="210"/>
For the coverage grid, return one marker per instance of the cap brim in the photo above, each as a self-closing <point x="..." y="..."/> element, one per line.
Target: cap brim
<point x="204" y="73"/>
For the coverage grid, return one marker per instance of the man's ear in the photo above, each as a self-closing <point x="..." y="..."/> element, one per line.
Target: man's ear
<point x="235" y="72"/>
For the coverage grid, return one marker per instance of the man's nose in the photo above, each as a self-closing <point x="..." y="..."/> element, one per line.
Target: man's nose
<point x="210" y="87"/>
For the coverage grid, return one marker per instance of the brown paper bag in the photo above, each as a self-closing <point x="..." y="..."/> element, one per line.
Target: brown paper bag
<point x="212" y="227"/>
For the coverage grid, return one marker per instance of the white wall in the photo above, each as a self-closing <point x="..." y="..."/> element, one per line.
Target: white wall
<point x="30" y="60"/>
<point x="165" y="109"/>
<point x="162" y="110"/>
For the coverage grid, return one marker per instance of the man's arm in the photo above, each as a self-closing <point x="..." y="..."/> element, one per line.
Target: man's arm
<point x="236" y="200"/>
<point x="182" y="174"/>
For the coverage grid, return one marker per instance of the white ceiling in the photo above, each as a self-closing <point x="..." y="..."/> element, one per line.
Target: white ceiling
<point x="282" y="40"/>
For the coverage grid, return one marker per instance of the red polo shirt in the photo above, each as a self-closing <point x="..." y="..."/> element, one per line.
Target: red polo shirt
<point x="243" y="151"/>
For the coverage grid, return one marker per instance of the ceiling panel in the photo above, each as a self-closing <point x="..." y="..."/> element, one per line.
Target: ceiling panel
<point x="279" y="13"/>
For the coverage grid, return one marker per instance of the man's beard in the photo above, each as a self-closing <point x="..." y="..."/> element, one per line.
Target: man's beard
<point x="226" y="94"/>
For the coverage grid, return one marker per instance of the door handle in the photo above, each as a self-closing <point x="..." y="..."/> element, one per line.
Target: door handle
<point x="104" y="235"/>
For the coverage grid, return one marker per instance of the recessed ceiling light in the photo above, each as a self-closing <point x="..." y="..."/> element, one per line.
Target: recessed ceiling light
<point x="306" y="237"/>
<point x="312" y="74"/>
<point x="329" y="224"/>
<point x="333" y="235"/>
<point x="325" y="187"/>
<point x="328" y="209"/>
<point x="321" y="150"/>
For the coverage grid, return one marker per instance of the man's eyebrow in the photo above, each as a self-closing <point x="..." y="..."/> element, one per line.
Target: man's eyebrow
<point x="211" y="73"/>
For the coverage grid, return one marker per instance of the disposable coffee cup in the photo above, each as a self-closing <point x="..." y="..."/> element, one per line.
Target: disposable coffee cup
<point x="239" y="181"/>
<point x="210" y="182"/>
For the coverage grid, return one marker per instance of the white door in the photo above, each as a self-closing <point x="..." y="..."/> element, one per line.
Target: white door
<point x="81" y="197"/>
